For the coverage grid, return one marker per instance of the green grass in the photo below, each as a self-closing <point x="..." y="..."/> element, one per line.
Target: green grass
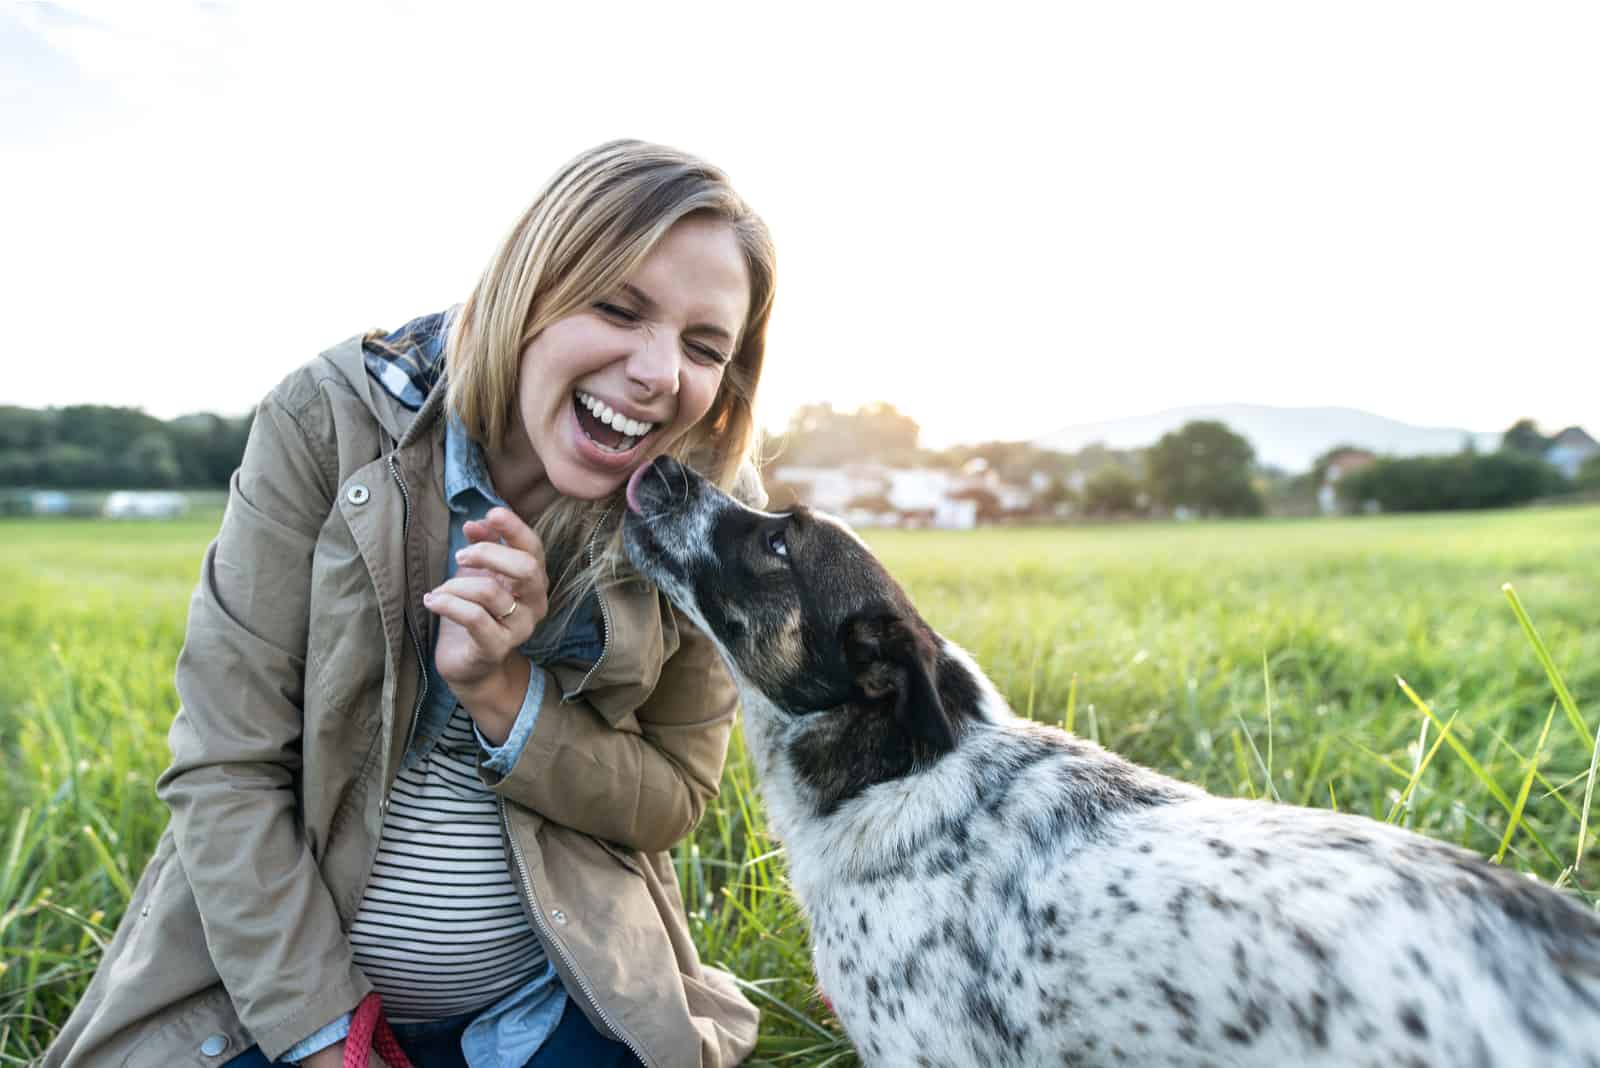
<point x="1261" y="659"/>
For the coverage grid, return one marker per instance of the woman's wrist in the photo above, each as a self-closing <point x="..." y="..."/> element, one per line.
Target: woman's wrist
<point x="494" y="701"/>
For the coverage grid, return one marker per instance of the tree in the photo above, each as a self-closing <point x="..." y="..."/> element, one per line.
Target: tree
<point x="820" y="436"/>
<point x="1524" y="437"/>
<point x="1206" y="467"/>
<point x="1112" y="491"/>
<point x="1444" y="483"/>
<point x="150" y="462"/>
<point x="1588" y="475"/>
<point x="91" y="446"/>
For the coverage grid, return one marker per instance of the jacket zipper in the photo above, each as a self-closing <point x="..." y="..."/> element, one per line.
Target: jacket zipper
<point x="531" y="902"/>
<point x="405" y="612"/>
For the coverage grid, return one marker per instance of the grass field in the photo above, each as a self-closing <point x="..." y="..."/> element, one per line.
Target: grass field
<point x="1256" y="658"/>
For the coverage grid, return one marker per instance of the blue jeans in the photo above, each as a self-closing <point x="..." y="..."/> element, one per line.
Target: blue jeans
<point x="573" y="1044"/>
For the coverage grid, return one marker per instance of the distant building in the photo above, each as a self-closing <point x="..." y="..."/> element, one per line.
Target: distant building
<point x="1339" y="465"/>
<point x="870" y="494"/>
<point x="141" y="504"/>
<point x="49" y="502"/>
<point x="1570" y="449"/>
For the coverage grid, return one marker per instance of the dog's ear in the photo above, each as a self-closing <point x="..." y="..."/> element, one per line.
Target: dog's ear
<point x="894" y="662"/>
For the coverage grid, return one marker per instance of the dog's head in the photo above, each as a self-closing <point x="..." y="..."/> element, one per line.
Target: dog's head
<point x="802" y="611"/>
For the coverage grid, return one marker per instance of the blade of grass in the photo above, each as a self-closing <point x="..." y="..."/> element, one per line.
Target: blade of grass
<point x="1562" y="693"/>
<point x="1527" y="784"/>
<point x="1402" y="802"/>
<point x="108" y="863"/>
<point x="1477" y="769"/>
<point x="1266" y="769"/>
<point x="1588" y="800"/>
<point x="1266" y="685"/>
<point x="760" y="991"/>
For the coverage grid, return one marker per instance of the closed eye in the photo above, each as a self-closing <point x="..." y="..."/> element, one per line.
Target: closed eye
<point x="777" y="544"/>
<point x="707" y="354"/>
<point x="616" y="311"/>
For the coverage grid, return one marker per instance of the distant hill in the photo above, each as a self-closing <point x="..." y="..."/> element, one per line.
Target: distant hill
<point x="1289" y="438"/>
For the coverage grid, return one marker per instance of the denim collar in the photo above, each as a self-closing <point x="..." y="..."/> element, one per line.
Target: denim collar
<point x="465" y="470"/>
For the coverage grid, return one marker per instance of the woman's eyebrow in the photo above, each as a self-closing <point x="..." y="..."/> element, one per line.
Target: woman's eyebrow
<point x="647" y="306"/>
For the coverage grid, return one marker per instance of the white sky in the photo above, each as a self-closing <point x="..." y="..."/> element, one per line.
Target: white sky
<point x="1003" y="219"/>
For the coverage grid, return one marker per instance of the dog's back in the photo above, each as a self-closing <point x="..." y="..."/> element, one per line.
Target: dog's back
<point x="1159" y="925"/>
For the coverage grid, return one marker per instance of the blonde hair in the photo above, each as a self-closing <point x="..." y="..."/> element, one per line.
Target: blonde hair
<point x="585" y="232"/>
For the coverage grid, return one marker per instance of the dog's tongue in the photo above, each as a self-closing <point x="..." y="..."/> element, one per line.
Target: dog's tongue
<point x="633" y="489"/>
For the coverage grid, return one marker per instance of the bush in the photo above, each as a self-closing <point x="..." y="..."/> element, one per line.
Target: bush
<point x="1448" y="483"/>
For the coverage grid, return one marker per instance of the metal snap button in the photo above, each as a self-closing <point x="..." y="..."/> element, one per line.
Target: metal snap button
<point x="357" y="494"/>
<point x="558" y="915"/>
<point x="214" y="1045"/>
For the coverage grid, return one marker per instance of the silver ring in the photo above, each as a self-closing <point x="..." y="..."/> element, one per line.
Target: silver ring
<point x="507" y="613"/>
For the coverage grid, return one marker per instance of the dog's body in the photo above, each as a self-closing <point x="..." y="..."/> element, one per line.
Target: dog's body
<point x="986" y="891"/>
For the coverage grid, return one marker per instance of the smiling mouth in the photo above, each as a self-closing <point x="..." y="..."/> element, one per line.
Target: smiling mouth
<point x="609" y="430"/>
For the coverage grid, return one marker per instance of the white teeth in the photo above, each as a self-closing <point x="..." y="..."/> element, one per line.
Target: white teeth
<point x="613" y="418"/>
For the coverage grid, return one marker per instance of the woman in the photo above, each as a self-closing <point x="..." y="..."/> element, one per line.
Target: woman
<point x="435" y="738"/>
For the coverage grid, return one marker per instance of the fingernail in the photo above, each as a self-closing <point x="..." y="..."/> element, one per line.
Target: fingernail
<point x="461" y="554"/>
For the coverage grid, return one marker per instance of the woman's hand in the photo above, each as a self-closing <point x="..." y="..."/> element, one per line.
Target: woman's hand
<point x="498" y="595"/>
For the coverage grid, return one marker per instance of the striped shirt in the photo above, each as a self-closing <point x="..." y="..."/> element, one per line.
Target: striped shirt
<point x="442" y="929"/>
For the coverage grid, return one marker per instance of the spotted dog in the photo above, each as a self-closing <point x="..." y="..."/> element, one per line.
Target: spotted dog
<point x="984" y="890"/>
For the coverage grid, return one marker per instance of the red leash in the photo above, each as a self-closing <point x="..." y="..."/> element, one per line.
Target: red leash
<point x="370" y="1031"/>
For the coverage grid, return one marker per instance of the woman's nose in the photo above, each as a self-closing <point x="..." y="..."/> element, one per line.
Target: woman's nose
<point x="653" y="366"/>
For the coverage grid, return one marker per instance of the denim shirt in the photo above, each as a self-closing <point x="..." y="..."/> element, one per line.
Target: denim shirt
<point x="509" y="1032"/>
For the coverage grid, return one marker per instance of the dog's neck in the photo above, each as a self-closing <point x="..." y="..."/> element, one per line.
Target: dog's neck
<point x="814" y="825"/>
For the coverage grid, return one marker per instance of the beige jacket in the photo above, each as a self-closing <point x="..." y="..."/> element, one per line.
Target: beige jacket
<point x="300" y="679"/>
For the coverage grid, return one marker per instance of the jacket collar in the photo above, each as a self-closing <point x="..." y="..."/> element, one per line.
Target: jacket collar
<point x="404" y="374"/>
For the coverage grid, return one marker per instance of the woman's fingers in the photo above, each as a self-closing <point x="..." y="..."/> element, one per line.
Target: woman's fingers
<point x="517" y="566"/>
<point x="478" y="621"/>
<point x="504" y="525"/>
<point x="482" y="590"/>
<point x="502" y="545"/>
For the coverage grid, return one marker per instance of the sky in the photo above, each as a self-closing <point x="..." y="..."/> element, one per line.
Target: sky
<point x="1002" y="218"/>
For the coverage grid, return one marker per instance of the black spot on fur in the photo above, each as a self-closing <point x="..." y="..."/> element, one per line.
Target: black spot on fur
<point x="1181" y="1001"/>
<point x="1346" y="841"/>
<point x="910" y="972"/>
<point x="1312" y="1019"/>
<point x="1308" y="944"/>
<point x="1536" y="1028"/>
<point x="1178" y="909"/>
<point x="1411" y="1020"/>
<point x="983" y="1011"/>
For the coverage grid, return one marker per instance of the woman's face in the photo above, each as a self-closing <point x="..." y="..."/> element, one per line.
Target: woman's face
<point x="613" y="385"/>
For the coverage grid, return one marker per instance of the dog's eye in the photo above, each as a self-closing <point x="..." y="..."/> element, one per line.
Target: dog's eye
<point x="777" y="543"/>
